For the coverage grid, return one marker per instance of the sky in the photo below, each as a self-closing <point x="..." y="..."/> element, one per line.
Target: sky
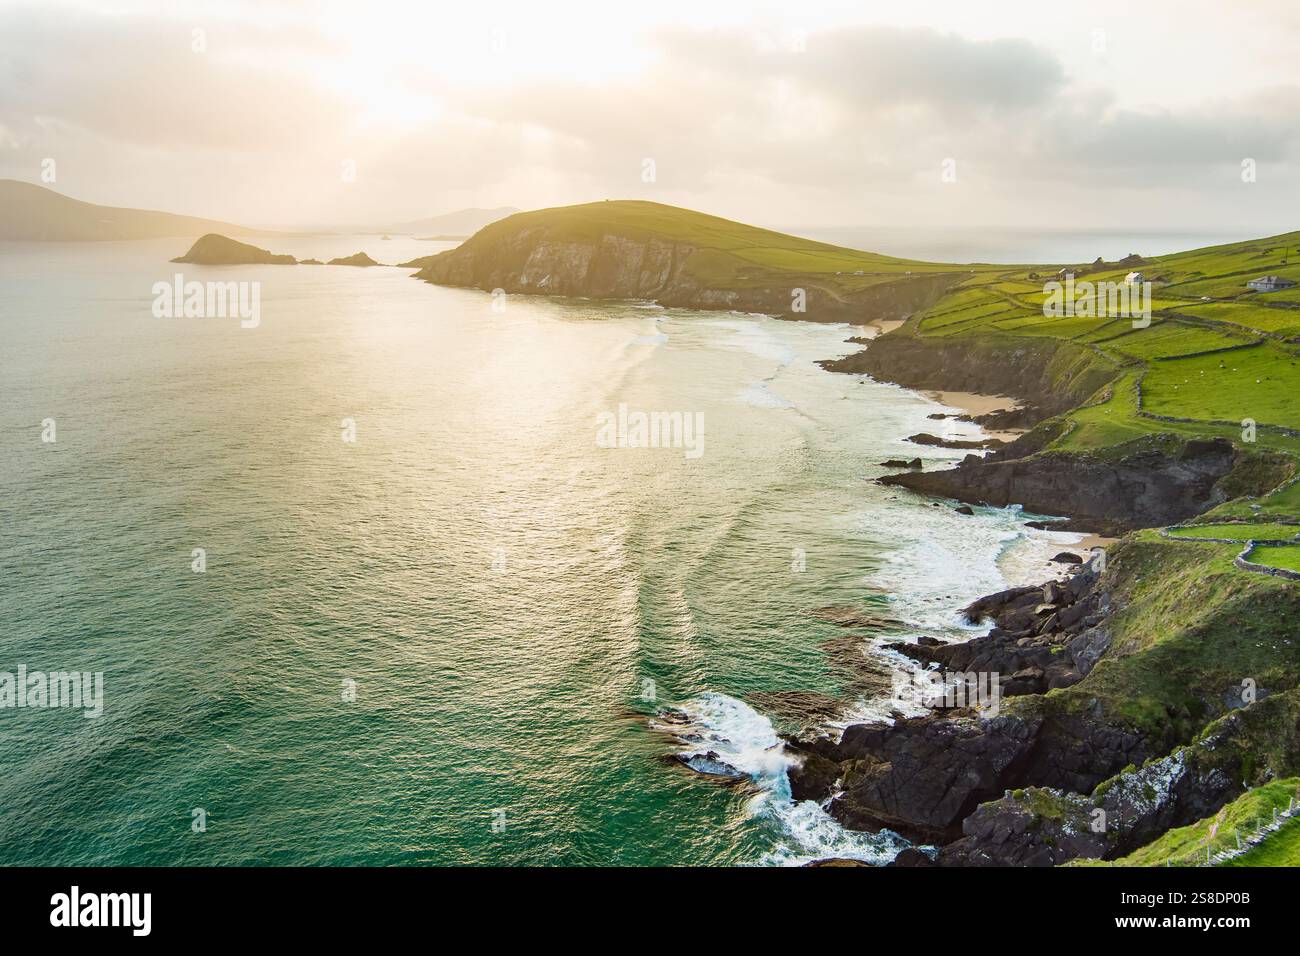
<point x="1038" y="115"/>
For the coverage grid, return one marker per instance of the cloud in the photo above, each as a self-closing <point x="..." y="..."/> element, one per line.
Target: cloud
<point x="142" y="82"/>
<point x="885" y="69"/>
<point x="844" y="124"/>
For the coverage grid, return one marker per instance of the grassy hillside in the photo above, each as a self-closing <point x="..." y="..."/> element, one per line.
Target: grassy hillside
<point x="727" y="254"/>
<point x="1215" y="353"/>
<point x="1225" y="831"/>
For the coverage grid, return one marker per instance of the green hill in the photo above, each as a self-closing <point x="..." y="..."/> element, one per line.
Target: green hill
<point x="678" y="257"/>
<point x="34" y="213"/>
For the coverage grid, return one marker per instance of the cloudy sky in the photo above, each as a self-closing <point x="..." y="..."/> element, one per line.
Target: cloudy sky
<point x="1046" y="115"/>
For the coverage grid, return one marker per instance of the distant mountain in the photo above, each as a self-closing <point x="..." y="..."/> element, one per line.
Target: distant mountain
<point x="31" y="212"/>
<point x="463" y="222"/>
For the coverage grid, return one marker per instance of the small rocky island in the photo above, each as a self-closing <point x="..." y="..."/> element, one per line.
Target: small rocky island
<point x="218" y="250"/>
<point x="360" y="259"/>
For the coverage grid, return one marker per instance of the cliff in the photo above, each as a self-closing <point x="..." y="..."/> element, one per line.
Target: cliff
<point x="680" y="258"/>
<point x="1142" y="484"/>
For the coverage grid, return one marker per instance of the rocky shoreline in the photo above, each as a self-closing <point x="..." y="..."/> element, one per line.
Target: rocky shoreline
<point x="956" y="778"/>
<point x="1029" y="786"/>
<point x="923" y="776"/>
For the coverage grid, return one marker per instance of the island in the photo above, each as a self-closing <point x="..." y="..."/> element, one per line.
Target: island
<point x="218" y="250"/>
<point x="359" y="259"/>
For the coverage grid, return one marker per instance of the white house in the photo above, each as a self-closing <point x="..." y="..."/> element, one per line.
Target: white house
<point x="1270" y="283"/>
<point x="1133" y="278"/>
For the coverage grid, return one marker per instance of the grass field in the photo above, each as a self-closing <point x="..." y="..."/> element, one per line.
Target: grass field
<point x="1280" y="849"/>
<point x="1187" y="846"/>
<point x="1256" y="383"/>
<point x="1240" y="532"/>
<point x="1285" y="556"/>
<point x="1216" y="366"/>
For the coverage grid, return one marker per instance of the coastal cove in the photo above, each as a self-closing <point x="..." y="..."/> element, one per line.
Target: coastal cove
<point x="501" y="589"/>
<point x="1133" y="691"/>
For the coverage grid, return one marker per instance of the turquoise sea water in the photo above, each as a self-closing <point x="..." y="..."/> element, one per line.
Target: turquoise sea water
<point x="506" y="595"/>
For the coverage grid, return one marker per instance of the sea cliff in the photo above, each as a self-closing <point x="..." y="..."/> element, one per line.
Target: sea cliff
<point x="616" y="251"/>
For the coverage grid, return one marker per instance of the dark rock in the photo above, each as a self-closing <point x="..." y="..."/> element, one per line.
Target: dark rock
<point x="836" y="861"/>
<point x="1146" y="488"/>
<point x="964" y="510"/>
<point x="359" y="259"/>
<point x="1029" y="680"/>
<point x="991" y="604"/>
<point x="217" y="250"/>
<point x="911" y="856"/>
<point x="1067" y="557"/>
<point x="812" y="776"/>
<point x="921" y="776"/>
<point x="1048" y="826"/>
<point x="925" y="438"/>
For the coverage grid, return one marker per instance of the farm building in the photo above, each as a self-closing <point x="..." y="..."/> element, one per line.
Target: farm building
<point x="1270" y="283"/>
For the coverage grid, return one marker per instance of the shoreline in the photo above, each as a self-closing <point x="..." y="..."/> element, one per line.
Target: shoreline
<point x="973" y="404"/>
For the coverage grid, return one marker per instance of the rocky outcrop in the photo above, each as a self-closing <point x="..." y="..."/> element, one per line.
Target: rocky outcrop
<point x="925" y="438"/>
<point x="1047" y="827"/>
<point x="216" y="250"/>
<point x="923" y="776"/>
<point x="359" y="259"/>
<point x="1049" y="376"/>
<point x="1044" y="637"/>
<point x="1115" y="492"/>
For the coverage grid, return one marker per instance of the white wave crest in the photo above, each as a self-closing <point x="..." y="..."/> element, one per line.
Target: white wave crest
<point x="728" y="737"/>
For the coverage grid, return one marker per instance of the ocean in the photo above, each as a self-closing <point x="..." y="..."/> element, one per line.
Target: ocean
<point x="366" y="586"/>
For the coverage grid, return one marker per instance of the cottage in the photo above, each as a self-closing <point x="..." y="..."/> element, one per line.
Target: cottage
<point x="1270" y="283"/>
<point x="1133" y="278"/>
